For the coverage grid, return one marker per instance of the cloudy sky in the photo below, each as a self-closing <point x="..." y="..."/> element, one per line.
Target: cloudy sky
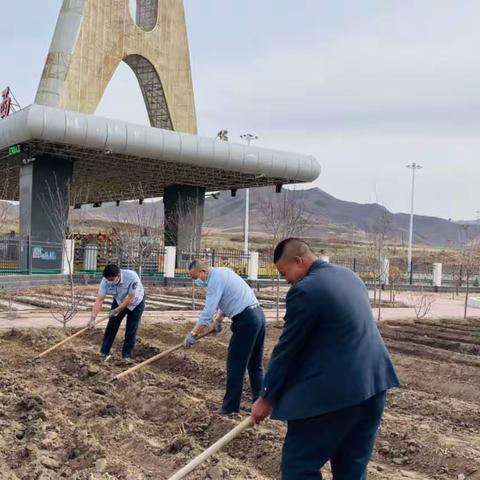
<point x="367" y="86"/>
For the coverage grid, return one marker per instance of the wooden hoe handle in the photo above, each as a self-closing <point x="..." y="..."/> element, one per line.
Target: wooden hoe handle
<point x="247" y="423"/>
<point x="155" y="358"/>
<point x="71" y="337"/>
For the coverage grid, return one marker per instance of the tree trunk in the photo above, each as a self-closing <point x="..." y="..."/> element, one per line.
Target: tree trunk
<point x="379" y="305"/>
<point x="466" y="298"/>
<point x="278" y="298"/>
<point x="193" y="295"/>
<point x="69" y="314"/>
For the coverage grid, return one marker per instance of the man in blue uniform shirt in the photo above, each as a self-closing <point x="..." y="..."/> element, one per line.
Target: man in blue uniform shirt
<point x="228" y="295"/>
<point x="128" y="300"/>
<point x="329" y="371"/>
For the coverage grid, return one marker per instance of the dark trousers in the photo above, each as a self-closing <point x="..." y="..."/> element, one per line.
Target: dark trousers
<point x="245" y="352"/>
<point x="345" y="437"/>
<point x="133" y="321"/>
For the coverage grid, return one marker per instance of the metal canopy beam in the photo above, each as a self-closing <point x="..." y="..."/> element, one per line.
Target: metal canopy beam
<point x="115" y="160"/>
<point x="107" y="177"/>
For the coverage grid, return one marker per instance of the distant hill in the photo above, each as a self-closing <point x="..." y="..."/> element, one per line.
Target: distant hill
<point x="328" y="216"/>
<point x="331" y="217"/>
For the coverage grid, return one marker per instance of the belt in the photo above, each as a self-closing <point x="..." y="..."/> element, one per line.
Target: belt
<point x="250" y="307"/>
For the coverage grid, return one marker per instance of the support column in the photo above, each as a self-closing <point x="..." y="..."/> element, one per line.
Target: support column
<point x="44" y="200"/>
<point x="90" y="255"/>
<point x="253" y="266"/>
<point x="437" y="274"/>
<point x="169" y="262"/>
<point x="385" y="276"/>
<point x="183" y="216"/>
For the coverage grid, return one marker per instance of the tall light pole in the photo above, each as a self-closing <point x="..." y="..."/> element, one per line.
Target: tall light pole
<point x="248" y="137"/>
<point x="413" y="167"/>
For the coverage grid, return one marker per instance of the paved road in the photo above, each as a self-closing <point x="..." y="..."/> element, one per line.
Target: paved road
<point x="443" y="306"/>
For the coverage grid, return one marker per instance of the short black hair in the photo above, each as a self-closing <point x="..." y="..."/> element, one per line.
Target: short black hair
<point x="280" y="248"/>
<point x="111" y="270"/>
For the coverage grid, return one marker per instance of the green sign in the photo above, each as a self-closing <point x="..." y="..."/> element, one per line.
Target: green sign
<point x="15" y="149"/>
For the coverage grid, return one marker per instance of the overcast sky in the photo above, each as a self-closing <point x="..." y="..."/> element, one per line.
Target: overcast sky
<point x="366" y="86"/>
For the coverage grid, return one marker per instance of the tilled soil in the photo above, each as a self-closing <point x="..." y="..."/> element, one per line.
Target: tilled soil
<point x="60" y="417"/>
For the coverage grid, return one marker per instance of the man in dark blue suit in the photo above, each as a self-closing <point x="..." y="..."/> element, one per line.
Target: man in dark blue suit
<point x="329" y="371"/>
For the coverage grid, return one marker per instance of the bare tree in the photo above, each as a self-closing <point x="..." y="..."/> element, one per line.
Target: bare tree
<point x="9" y="296"/>
<point x="187" y="213"/>
<point x="9" y="247"/>
<point x="56" y="201"/>
<point x="421" y="304"/>
<point x="377" y="234"/>
<point x="284" y="215"/>
<point x="470" y="260"/>
<point x="7" y="190"/>
<point x="395" y="275"/>
<point x="9" y="251"/>
<point x="5" y="209"/>
<point x="137" y="234"/>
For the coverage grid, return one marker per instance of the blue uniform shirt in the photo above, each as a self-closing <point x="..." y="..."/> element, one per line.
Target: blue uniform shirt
<point x="227" y="292"/>
<point x="129" y="283"/>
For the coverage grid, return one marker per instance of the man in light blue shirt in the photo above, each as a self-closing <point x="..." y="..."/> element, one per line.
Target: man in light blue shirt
<point x="128" y="300"/>
<point x="230" y="296"/>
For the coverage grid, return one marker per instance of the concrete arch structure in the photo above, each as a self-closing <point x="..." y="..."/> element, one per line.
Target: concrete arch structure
<point x="152" y="91"/>
<point x="146" y="15"/>
<point x="93" y="36"/>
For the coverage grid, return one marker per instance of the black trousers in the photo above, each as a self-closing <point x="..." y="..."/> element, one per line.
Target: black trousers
<point x="133" y="321"/>
<point x="245" y="352"/>
<point x="345" y="437"/>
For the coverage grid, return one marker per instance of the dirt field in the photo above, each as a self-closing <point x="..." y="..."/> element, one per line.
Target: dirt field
<point x="60" y="418"/>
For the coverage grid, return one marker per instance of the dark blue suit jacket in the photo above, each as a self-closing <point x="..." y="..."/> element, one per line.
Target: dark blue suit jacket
<point x="330" y="354"/>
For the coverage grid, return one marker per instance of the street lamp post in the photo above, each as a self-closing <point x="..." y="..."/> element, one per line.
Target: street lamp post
<point x="413" y="167"/>
<point x="248" y="137"/>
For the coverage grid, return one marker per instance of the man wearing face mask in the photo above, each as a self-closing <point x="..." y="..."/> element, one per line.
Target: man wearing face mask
<point x="128" y="300"/>
<point x="329" y="372"/>
<point x="228" y="295"/>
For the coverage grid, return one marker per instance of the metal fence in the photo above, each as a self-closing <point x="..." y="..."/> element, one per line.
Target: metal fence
<point x="149" y="259"/>
<point x="455" y="275"/>
<point x="266" y="267"/>
<point x="11" y="252"/>
<point x="145" y="258"/>
<point x="234" y="259"/>
<point x="25" y="256"/>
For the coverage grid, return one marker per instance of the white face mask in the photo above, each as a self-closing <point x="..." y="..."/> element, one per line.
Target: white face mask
<point x="200" y="283"/>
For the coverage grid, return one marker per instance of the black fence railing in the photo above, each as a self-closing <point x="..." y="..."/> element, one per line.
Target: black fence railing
<point x="22" y="256"/>
<point x="25" y="256"/>
<point x="12" y="250"/>
<point x="146" y="258"/>
<point x="234" y="259"/>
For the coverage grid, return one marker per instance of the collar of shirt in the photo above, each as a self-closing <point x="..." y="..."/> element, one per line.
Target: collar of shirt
<point x="209" y="274"/>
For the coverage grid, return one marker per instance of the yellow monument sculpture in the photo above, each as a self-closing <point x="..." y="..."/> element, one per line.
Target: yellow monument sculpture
<point x="93" y="36"/>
